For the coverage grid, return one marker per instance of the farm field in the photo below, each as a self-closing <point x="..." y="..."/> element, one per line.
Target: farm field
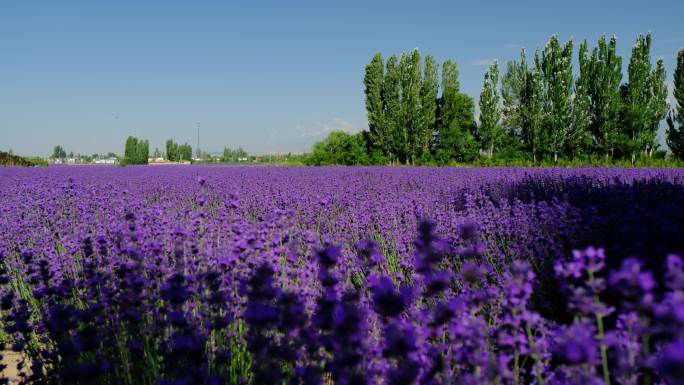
<point x="334" y="275"/>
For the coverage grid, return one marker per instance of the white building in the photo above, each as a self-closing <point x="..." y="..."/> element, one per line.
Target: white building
<point x="105" y="161"/>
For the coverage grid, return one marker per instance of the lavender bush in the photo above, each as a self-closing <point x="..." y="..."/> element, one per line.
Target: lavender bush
<point x="236" y="275"/>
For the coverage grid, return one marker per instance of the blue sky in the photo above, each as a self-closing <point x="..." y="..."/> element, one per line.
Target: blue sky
<point x="264" y="75"/>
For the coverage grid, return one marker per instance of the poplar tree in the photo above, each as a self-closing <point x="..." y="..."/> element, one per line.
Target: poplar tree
<point x="675" y="119"/>
<point x="512" y="88"/>
<point x="455" y="120"/>
<point x="391" y="90"/>
<point x="459" y="141"/>
<point x="556" y="67"/>
<point x="131" y="150"/>
<point x="428" y="104"/>
<point x="143" y="151"/>
<point x="447" y="103"/>
<point x="523" y="101"/>
<point x="605" y="76"/>
<point x="184" y="152"/>
<point x="136" y="151"/>
<point x="171" y="151"/>
<point x="410" y="75"/>
<point x="373" y="83"/>
<point x="578" y="139"/>
<point x="657" y="107"/>
<point x="450" y="90"/>
<point x="645" y="99"/>
<point x="533" y="114"/>
<point x="58" y="152"/>
<point x="488" y="131"/>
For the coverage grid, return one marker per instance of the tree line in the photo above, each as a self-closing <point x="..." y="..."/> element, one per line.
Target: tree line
<point x="59" y="152"/>
<point x="547" y="111"/>
<point x="9" y="159"/>
<point x="408" y="119"/>
<point x="233" y="155"/>
<point x="538" y="110"/>
<point x="178" y="152"/>
<point x="136" y="151"/>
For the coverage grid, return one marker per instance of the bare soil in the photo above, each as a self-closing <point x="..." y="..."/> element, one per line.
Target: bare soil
<point x="11" y="359"/>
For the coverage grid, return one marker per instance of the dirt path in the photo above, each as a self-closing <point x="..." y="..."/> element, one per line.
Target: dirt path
<point x="11" y="359"/>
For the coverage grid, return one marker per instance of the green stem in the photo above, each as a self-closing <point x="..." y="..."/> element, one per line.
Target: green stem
<point x="647" y="352"/>
<point x="601" y="334"/>
<point x="535" y="357"/>
<point x="604" y="351"/>
<point x="516" y="367"/>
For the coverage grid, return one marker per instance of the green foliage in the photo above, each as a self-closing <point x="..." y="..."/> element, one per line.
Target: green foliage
<point x="543" y="114"/>
<point x="36" y="161"/>
<point x="457" y="144"/>
<point x="171" y="150"/>
<point x="373" y="84"/>
<point x="177" y="153"/>
<point x="604" y="69"/>
<point x="143" y="151"/>
<point x="644" y="100"/>
<point x="488" y="132"/>
<point x="233" y="156"/>
<point x="513" y="158"/>
<point x="405" y="112"/>
<point x="136" y="151"/>
<point x="58" y="152"/>
<point x="675" y="119"/>
<point x="450" y="90"/>
<point x="590" y="115"/>
<point x="428" y="105"/>
<point x="523" y="97"/>
<point x="130" y="150"/>
<point x="579" y="139"/>
<point x="410" y="123"/>
<point x="339" y="148"/>
<point x="185" y="152"/>
<point x="9" y="159"/>
<point x="391" y="90"/>
<point x="456" y="141"/>
<point x="555" y="65"/>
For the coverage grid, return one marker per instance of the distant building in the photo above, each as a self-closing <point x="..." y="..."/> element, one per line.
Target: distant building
<point x="105" y="161"/>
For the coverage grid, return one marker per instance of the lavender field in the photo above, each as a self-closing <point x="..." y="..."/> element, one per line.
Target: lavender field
<point x="378" y="275"/>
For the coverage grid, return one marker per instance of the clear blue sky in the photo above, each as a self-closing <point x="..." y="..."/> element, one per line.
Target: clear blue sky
<point x="268" y="76"/>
